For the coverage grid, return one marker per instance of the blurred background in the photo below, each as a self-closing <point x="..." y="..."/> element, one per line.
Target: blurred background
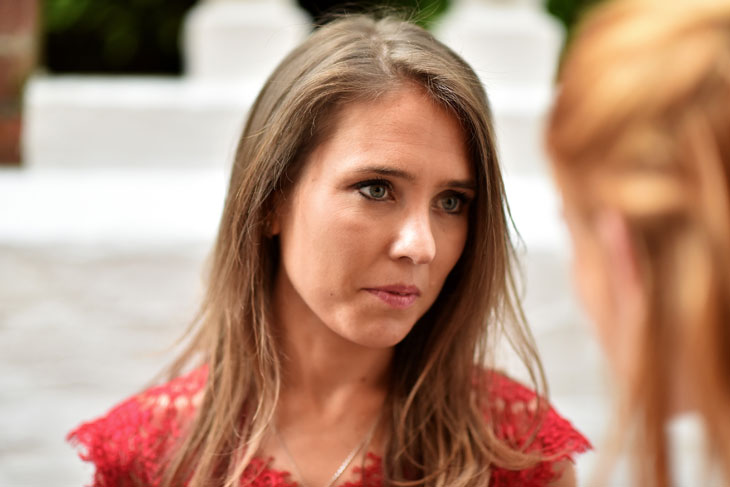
<point x="118" y="119"/>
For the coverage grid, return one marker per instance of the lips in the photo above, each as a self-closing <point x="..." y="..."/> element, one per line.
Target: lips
<point x="398" y="296"/>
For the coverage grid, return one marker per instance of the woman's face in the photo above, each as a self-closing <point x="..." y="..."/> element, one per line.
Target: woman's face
<point x="376" y="221"/>
<point x="590" y="272"/>
<point x="607" y="282"/>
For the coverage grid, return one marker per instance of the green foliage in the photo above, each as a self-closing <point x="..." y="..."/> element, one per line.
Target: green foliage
<point x="426" y="12"/>
<point x="422" y="12"/>
<point x="569" y="11"/>
<point x="113" y="36"/>
<point x="141" y="36"/>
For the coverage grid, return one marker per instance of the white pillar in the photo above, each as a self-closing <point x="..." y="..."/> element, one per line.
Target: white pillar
<point x="508" y="42"/>
<point x="514" y="46"/>
<point x="231" y="39"/>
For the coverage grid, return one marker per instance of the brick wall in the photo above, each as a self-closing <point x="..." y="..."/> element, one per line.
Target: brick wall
<point x="18" y="57"/>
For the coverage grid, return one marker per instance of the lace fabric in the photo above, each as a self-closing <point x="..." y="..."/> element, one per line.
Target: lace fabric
<point x="127" y="444"/>
<point x="513" y="410"/>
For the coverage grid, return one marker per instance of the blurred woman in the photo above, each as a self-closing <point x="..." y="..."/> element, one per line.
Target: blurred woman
<point x="362" y="269"/>
<point x="640" y="145"/>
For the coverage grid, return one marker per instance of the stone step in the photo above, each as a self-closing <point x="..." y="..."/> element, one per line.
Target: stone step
<point x="129" y="122"/>
<point x="148" y="122"/>
<point x="143" y="205"/>
<point x="131" y="207"/>
<point x="137" y="208"/>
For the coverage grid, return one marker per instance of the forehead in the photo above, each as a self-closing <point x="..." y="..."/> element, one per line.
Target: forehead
<point x="405" y="127"/>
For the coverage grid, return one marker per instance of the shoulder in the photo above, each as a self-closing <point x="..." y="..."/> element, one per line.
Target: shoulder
<point x="127" y="444"/>
<point x="524" y="420"/>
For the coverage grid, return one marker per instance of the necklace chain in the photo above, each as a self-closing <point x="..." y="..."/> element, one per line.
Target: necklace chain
<point x="343" y="466"/>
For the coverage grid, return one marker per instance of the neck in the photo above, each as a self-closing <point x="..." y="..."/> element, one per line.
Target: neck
<point x="323" y="373"/>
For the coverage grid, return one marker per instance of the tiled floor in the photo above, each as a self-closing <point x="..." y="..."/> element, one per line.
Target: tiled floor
<point x="80" y="328"/>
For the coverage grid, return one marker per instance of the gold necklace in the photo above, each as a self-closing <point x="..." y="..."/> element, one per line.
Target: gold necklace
<point x="343" y="466"/>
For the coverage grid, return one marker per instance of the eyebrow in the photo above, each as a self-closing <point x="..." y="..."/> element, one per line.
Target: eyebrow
<point x="469" y="184"/>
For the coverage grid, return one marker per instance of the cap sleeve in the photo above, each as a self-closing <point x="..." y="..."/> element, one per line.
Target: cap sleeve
<point x="128" y="444"/>
<point x="514" y="411"/>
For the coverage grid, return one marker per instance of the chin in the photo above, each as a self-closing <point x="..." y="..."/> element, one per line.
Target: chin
<point x="384" y="335"/>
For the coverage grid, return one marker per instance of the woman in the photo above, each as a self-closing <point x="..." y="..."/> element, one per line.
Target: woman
<point x="640" y="142"/>
<point x="362" y="257"/>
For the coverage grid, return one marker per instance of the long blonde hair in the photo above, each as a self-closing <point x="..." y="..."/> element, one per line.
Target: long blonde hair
<point x="437" y="430"/>
<point x="642" y="125"/>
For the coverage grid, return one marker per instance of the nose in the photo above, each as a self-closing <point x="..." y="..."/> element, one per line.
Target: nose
<point x="415" y="239"/>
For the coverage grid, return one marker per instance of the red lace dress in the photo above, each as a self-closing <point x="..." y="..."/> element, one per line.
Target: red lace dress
<point x="127" y="443"/>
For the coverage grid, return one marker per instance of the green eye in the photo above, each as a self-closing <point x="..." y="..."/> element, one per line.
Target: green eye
<point x="451" y="204"/>
<point x="375" y="191"/>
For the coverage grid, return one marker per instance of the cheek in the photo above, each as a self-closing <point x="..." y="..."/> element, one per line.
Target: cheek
<point x="587" y="283"/>
<point x="342" y="240"/>
<point x="456" y="247"/>
<point x="591" y="282"/>
<point x="325" y="245"/>
<point x="449" y="248"/>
